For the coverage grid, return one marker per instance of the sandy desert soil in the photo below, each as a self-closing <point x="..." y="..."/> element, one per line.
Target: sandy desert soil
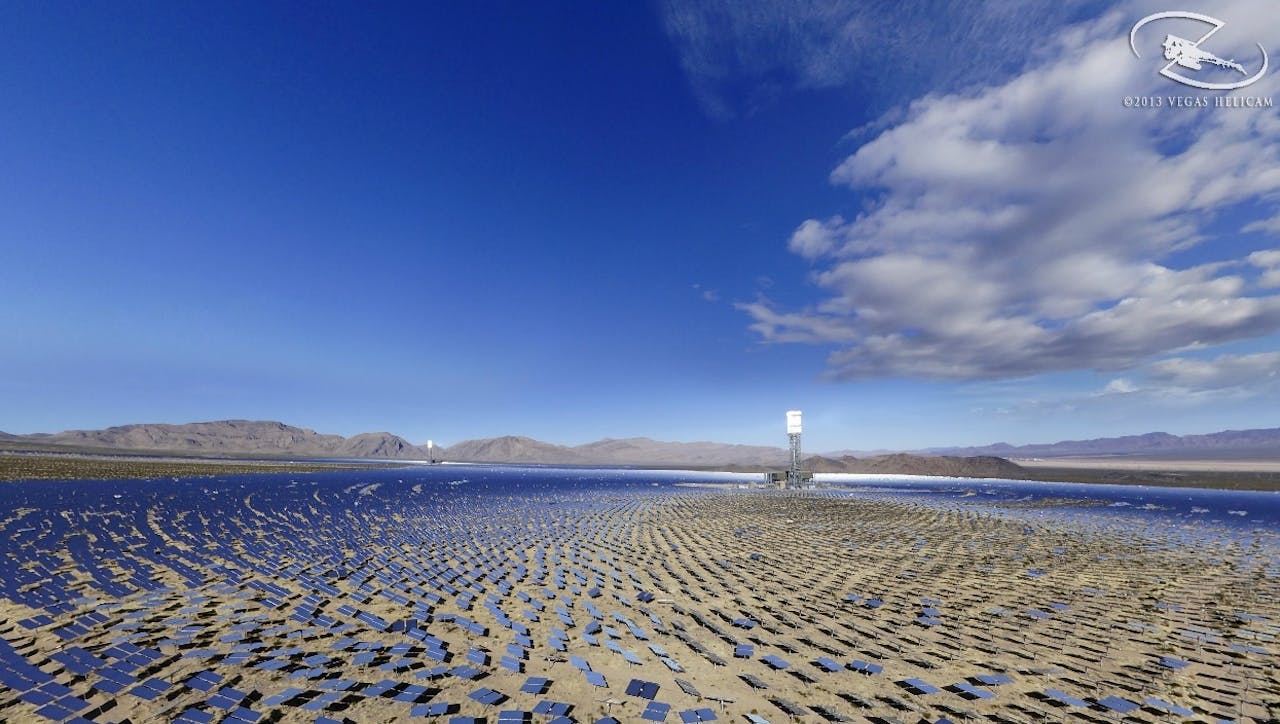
<point x="74" y="467"/>
<point x="1128" y="463"/>
<point x="1258" y="474"/>
<point x="940" y="595"/>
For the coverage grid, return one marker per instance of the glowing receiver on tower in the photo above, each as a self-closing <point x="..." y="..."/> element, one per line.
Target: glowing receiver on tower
<point x="793" y="422"/>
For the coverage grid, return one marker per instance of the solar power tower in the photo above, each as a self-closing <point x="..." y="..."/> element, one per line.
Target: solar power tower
<point x="794" y="479"/>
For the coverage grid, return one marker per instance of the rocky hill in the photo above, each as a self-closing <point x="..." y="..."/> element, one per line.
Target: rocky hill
<point x="631" y="451"/>
<point x="904" y="464"/>
<point x="230" y="437"/>
<point x="1156" y="444"/>
<point x="381" y="445"/>
<point x="644" y="451"/>
<point x="512" y="449"/>
<point x="252" y="438"/>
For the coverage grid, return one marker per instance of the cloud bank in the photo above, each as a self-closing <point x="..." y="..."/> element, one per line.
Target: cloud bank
<point x="1038" y="225"/>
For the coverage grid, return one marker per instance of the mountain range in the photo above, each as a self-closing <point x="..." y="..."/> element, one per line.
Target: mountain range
<point x="276" y="439"/>
<point x="226" y="437"/>
<point x="1262" y="442"/>
<point x="630" y="451"/>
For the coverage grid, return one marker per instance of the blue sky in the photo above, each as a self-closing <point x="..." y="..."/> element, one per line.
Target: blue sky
<point x="585" y="220"/>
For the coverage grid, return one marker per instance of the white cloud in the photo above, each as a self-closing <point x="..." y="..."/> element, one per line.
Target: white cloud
<point x="1119" y="386"/>
<point x="1182" y="381"/>
<point x="795" y="327"/>
<point x="742" y="53"/>
<point x="1028" y="227"/>
<point x="1271" y="225"/>
<point x="815" y="238"/>
<point x="1226" y="371"/>
<point x="1174" y="383"/>
<point x="709" y="295"/>
<point x="1269" y="262"/>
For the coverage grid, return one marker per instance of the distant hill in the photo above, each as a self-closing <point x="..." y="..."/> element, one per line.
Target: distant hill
<point x="644" y="451"/>
<point x="630" y="451"/>
<point x="381" y="445"/>
<point x="230" y="437"/>
<point x="511" y="449"/>
<point x="905" y="464"/>
<point x="1260" y="441"/>
<point x="268" y="438"/>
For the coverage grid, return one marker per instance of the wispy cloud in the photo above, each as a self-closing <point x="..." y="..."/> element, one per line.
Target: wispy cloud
<point x="1188" y="380"/>
<point x="1030" y="226"/>
<point x="709" y="295"/>
<point x="796" y="326"/>
<point x="1119" y="386"/>
<point x="1268" y="262"/>
<point x="1172" y="383"/>
<point x="1255" y="373"/>
<point x="738" y="54"/>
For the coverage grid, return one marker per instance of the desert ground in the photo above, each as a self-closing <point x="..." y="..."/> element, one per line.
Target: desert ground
<point x="379" y="603"/>
<point x="1190" y="465"/>
<point x="1226" y="474"/>
<point x="27" y="466"/>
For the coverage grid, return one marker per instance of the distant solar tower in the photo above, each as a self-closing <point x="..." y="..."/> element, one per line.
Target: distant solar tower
<point x="431" y="451"/>
<point x="793" y="434"/>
